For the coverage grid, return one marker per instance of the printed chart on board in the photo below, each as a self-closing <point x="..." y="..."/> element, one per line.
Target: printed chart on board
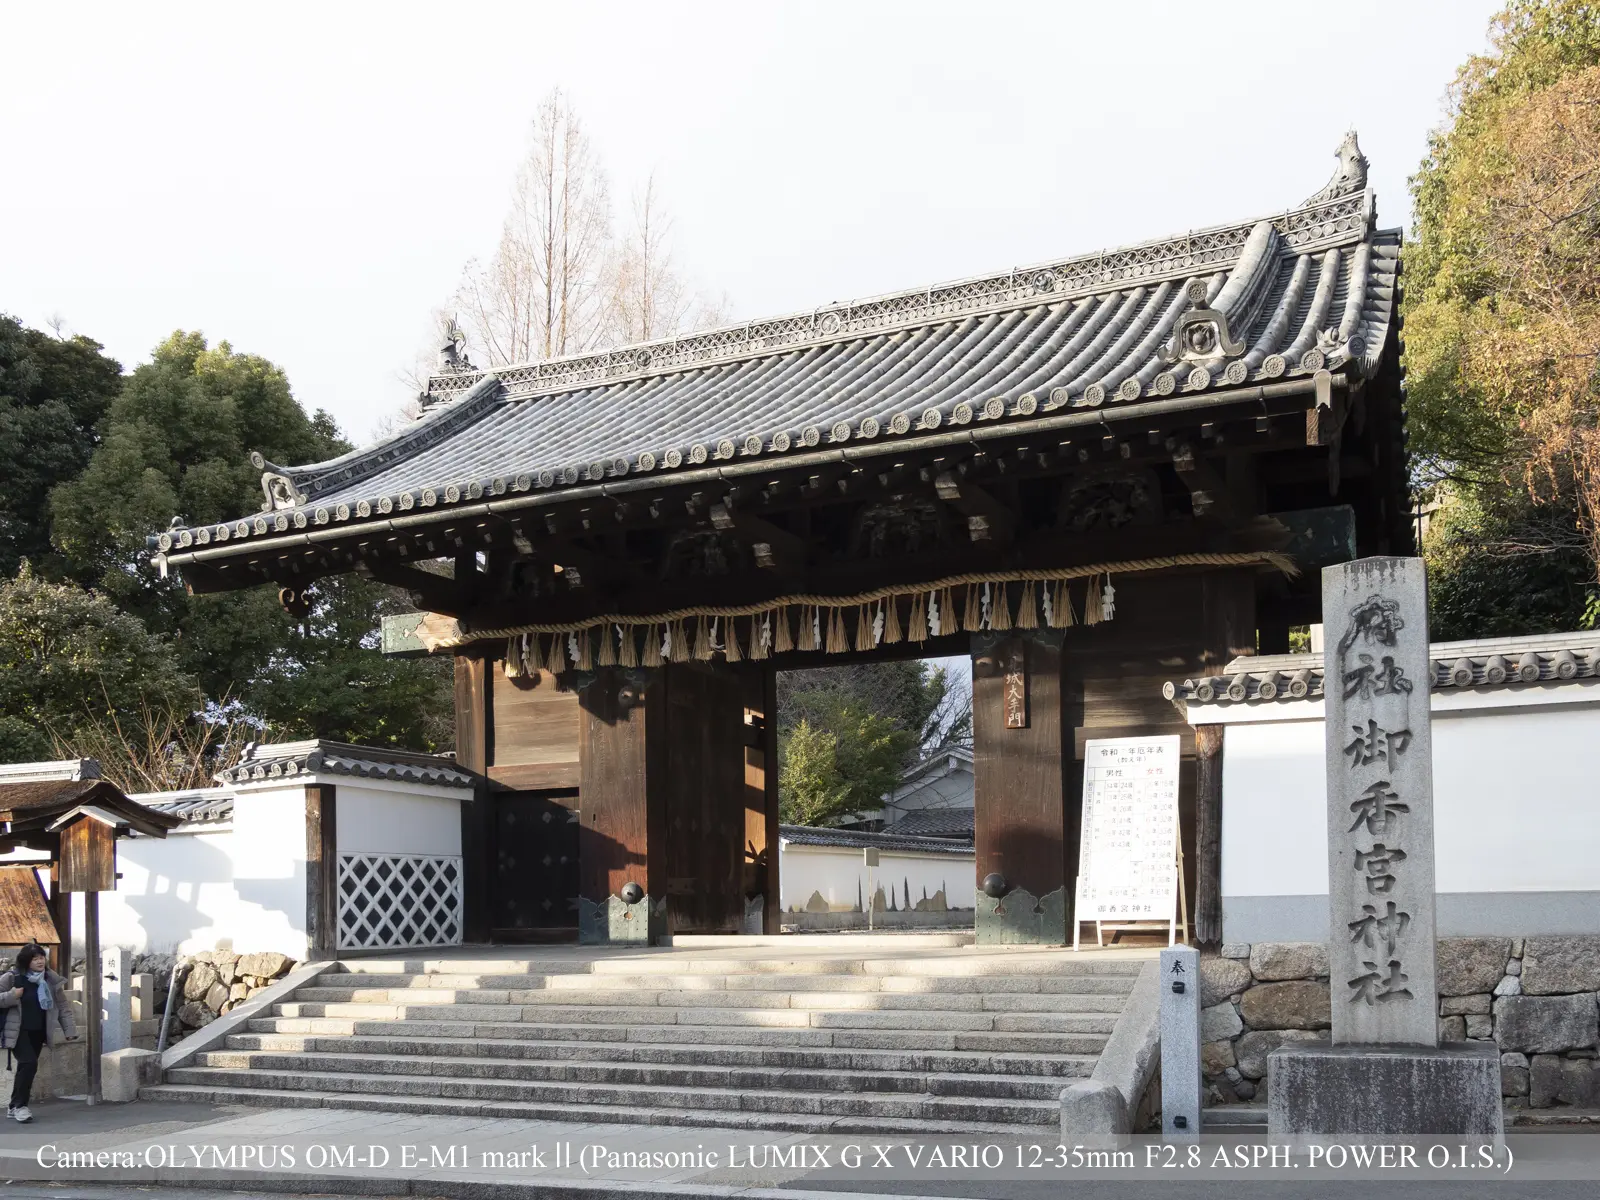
<point x="1129" y="845"/>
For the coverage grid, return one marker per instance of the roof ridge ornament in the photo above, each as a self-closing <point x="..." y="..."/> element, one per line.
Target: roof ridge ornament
<point x="1201" y="335"/>
<point x="277" y="484"/>
<point x="1351" y="177"/>
<point x="453" y="358"/>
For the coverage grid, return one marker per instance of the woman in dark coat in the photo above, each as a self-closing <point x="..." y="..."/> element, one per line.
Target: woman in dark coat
<point x="36" y="1015"/>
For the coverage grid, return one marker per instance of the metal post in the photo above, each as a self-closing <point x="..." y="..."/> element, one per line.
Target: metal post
<point x="91" y="988"/>
<point x="1180" y="1044"/>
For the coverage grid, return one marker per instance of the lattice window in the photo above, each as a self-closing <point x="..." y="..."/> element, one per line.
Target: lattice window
<point x="391" y="900"/>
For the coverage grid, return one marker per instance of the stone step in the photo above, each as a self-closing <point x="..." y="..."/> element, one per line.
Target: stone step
<point x="1058" y="1065"/>
<point x="1064" y="1042"/>
<point x="613" y="1114"/>
<point x="865" y="1105"/>
<point x="695" y="1077"/>
<point x="1075" y="983"/>
<point x="973" y="1001"/>
<point x="785" y="1018"/>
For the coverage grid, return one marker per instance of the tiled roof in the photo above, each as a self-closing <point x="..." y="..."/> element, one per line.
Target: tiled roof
<point x="288" y="759"/>
<point x="936" y="823"/>
<point x="199" y="807"/>
<point x="1267" y="302"/>
<point x="860" y="839"/>
<point x="1488" y="662"/>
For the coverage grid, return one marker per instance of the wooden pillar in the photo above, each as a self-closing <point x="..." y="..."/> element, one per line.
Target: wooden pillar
<point x="92" y="1011"/>
<point x="1019" y="789"/>
<point x="621" y="757"/>
<point x="61" y="912"/>
<point x="1208" y="835"/>
<point x="773" y="917"/>
<point x="474" y="738"/>
<point x="322" y="872"/>
<point x="759" y="683"/>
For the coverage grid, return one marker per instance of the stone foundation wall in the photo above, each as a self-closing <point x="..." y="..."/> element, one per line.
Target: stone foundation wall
<point x="1535" y="998"/>
<point x="209" y="984"/>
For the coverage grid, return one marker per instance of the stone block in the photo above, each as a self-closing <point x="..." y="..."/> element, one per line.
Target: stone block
<point x="1216" y="1057"/>
<point x="1235" y="950"/>
<point x="1391" y="1091"/>
<point x="1274" y="961"/>
<point x="1513" y="1058"/>
<point x="1544" y="1080"/>
<point x="1580" y="1083"/>
<point x="1461" y="1006"/>
<point x="1513" y="1080"/>
<point x="267" y="965"/>
<point x="1511" y="985"/>
<point x="1250" y="1052"/>
<point x="124" y="1072"/>
<point x="1553" y="965"/>
<point x="1467" y="965"/>
<point x="1452" y="1029"/>
<point x="1091" y="1108"/>
<point x="1546" y="1024"/>
<point x="1292" y="1005"/>
<point x="1514" y="967"/>
<point x="1480" y="1025"/>
<point x="1221" y="978"/>
<point x="202" y="978"/>
<point x="1218" y="1022"/>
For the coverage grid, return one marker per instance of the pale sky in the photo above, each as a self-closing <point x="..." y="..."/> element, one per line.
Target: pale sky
<point x="307" y="180"/>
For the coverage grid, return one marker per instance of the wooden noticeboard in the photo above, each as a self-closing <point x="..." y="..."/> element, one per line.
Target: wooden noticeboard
<point x="88" y="856"/>
<point x="1128" y="865"/>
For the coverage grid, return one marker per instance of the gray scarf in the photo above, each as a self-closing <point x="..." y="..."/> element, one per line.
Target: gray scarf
<point x="37" y="978"/>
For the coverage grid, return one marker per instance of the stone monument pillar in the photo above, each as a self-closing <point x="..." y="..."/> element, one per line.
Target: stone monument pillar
<point x="116" y="995"/>
<point x="1180" y="1044"/>
<point x="1385" y="1073"/>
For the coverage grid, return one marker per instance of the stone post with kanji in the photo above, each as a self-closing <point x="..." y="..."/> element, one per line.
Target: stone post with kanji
<point x="1378" y="675"/>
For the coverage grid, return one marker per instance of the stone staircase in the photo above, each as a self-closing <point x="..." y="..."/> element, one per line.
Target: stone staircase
<point x="964" y="1041"/>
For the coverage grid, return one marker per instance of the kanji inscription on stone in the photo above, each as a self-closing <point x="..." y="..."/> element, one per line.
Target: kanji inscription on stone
<point x="1378" y="677"/>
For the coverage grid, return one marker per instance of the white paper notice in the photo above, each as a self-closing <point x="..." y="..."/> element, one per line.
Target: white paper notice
<point x="1128" y="851"/>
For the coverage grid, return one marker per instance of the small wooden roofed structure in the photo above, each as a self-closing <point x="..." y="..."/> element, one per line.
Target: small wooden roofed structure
<point x="619" y="548"/>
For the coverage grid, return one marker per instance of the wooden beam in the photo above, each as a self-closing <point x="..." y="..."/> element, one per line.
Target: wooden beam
<point x="1208" y="492"/>
<point x="433" y="593"/>
<point x="988" y="520"/>
<point x="537" y="777"/>
<point x="322" y="873"/>
<point x="773" y="548"/>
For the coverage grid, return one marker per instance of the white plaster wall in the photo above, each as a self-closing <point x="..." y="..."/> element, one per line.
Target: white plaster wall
<point x="837" y="872"/>
<point x="374" y="820"/>
<point x="1516" y="810"/>
<point x="176" y="894"/>
<point x="268" y="854"/>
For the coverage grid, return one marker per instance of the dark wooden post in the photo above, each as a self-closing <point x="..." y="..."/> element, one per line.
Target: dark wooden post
<point x="61" y="912"/>
<point x="474" y="748"/>
<point x="1019" y="741"/>
<point x="1208" y="834"/>
<point x="773" y="920"/>
<point x="322" y="872"/>
<point x="621" y="769"/>
<point x="91" y="989"/>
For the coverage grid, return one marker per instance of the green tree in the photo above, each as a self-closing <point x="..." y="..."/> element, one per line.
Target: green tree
<point x="1502" y="320"/>
<point x="177" y="442"/>
<point x="70" y="659"/>
<point x="811" y="788"/>
<point x="53" y="392"/>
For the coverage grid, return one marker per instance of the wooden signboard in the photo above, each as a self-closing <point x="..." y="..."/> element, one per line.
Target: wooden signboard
<point x="1128" y="871"/>
<point x="88" y="856"/>
<point x="24" y="911"/>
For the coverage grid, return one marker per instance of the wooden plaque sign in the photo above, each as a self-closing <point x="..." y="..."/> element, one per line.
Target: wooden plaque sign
<point x="88" y="856"/>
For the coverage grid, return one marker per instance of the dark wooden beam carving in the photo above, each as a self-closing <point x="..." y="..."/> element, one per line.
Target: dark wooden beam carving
<point x="773" y="548"/>
<point x="988" y="520"/>
<point x="429" y="592"/>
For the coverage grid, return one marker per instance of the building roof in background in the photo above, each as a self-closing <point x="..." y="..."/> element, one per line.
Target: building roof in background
<point x="952" y="823"/>
<point x="1482" y="662"/>
<point x="201" y="806"/>
<point x="858" y="839"/>
<point x="286" y="760"/>
<point x="40" y="806"/>
<point x="66" y="769"/>
<point x="1267" y="301"/>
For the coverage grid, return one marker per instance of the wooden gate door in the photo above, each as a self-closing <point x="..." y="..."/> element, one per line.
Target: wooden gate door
<point x="535" y="885"/>
<point x="705" y="801"/>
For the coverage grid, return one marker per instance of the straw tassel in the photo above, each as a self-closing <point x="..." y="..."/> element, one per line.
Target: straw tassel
<point x="1062" y="616"/>
<point x="512" y="664"/>
<point x="628" y="652"/>
<point x="1028" y="610"/>
<point x="730" y="646"/>
<point x="837" y="643"/>
<point x="892" y="632"/>
<point x="785" y="639"/>
<point x="808" y="629"/>
<point x="1000" y="609"/>
<point x="947" y="612"/>
<point x="760" y="636"/>
<point x="585" y="657"/>
<point x="607" y="657"/>
<point x="919" y="619"/>
<point x="556" y="662"/>
<point x="1091" y="603"/>
<point x="972" y="619"/>
<point x="652" y="646"/>
<point x="702" y="640"/>
<point x="864" y="634"/>
<point x="678" y="645"/>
